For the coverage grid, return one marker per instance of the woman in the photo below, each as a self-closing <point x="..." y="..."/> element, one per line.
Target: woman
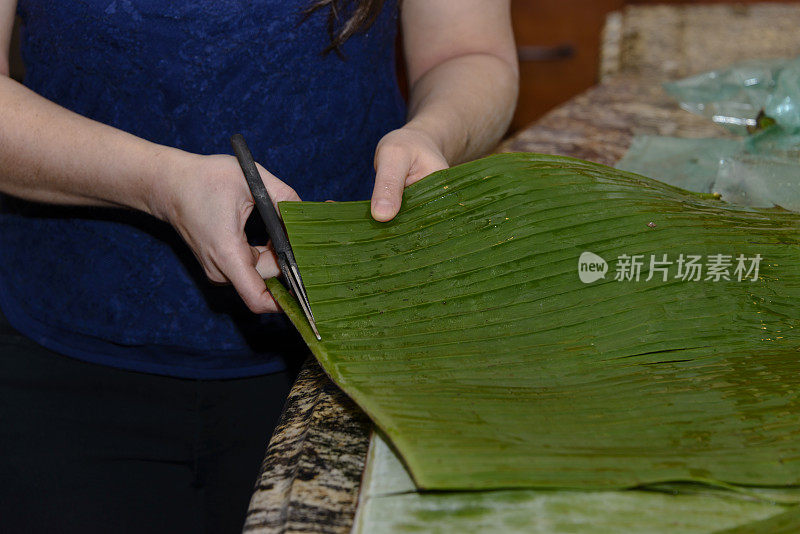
<point x="114" y="166"/>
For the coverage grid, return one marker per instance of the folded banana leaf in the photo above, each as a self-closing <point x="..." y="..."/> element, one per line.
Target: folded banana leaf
<point x="533" y="321"/>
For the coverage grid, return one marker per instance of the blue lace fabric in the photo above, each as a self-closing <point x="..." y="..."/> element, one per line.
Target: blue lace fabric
<point x="120" y="288"/>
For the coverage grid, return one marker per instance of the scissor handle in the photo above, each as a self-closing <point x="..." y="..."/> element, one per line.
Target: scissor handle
<point x="280" y="242"/>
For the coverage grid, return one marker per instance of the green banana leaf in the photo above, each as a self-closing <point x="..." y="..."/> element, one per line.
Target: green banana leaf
<point x="465" y="330"/>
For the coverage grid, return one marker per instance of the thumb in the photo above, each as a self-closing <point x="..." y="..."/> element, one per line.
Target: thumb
<point x="390" y="180"/>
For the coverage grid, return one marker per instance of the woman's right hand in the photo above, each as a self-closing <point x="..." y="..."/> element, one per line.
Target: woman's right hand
<point x="51" y="155"/>
<point x="207" y="200"/>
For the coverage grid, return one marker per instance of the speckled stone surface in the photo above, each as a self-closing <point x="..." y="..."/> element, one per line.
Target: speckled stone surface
<point x="599" y="124"/>
<point x="667" y="42"/>
<point x="310" y="477"/>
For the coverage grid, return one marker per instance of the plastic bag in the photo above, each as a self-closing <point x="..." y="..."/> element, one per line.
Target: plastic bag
<point x="690" y="164"/>
<point x="759" y="181"/>
<point x="756" y="99"/>
<point x="737" y="97"/>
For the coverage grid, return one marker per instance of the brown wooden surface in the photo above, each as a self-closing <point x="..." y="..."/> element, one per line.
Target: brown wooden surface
<point x="549" y="25"/>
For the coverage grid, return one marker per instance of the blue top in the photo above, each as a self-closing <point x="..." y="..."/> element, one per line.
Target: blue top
<point x="120" y="288"/>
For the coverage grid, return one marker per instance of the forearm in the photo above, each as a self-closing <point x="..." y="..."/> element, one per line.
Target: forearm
<point x="465" y="104"/>
<point x="50" y="154"/>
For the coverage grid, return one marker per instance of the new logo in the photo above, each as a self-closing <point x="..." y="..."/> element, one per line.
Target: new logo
<point x="591" y="267"/>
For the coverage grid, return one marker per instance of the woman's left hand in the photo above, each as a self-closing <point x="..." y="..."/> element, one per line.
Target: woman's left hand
<point x="403" y="156"/>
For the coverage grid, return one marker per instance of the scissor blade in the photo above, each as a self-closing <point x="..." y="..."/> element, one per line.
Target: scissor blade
<point x="291" y="273"/>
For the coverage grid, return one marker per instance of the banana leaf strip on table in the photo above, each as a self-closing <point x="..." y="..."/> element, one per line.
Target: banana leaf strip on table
<point x="787" y="522"/>
<point x="465" y="329"/>
<point x="389" y="502"/>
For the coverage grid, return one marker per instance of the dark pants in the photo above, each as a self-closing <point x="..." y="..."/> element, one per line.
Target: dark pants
<point x="86" y="448"/>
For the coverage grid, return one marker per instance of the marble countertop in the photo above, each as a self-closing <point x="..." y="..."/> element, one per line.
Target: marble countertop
<point x="310" y="478"/>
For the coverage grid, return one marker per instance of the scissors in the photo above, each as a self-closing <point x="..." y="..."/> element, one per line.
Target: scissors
<point x="275" y="229"/>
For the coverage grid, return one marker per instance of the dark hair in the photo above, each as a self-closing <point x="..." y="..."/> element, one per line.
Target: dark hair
<point x="346" y="18"/>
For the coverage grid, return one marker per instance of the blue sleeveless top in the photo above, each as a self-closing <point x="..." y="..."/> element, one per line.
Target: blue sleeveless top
<point x="120" y="288"/>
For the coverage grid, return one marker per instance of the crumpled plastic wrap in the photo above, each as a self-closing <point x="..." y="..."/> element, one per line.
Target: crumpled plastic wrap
<point x="735" y="97"/>
<point x="759" y="181"/>
<point x="690" y="164"/>
<point x="758" y="100"/>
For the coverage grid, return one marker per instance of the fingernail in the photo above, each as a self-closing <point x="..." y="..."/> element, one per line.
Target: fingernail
<point x="383" y="209"/>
